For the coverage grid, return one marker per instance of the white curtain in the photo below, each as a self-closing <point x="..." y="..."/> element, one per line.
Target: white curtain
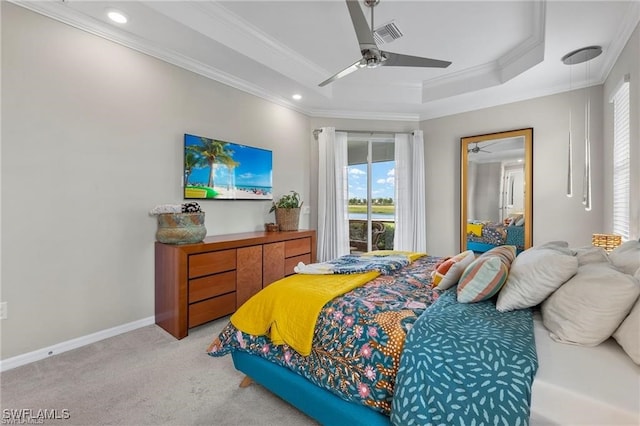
<point x="411" y="223"/>
<point x="333" y="220"/>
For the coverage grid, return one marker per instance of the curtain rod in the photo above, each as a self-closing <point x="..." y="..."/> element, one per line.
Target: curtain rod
<point x="316" y="132"/>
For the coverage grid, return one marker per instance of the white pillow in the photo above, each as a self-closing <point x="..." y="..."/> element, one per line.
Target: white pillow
<point x="458" y="264"/>
<point x="589" y="307"/>
<point x="628" y="334"/>
<point x="626" y="257"/>
<point x="591" y="254"/>
<point x="534" y="275"/>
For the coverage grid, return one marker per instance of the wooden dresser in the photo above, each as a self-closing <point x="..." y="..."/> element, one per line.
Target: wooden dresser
<point x="196" y="283"/>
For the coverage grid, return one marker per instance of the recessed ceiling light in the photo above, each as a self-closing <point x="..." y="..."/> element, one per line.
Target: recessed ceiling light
<point x="297" y="96"/>
<point x="117" y="16"/>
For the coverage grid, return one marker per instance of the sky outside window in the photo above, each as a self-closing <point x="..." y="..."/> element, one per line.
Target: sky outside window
<point x="382" y="183"/>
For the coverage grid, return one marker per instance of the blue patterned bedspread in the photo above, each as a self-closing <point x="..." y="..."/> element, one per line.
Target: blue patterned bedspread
<point x="466" y="364"/>
<point x="356" y="264"/>
<point x="358" y="337"/>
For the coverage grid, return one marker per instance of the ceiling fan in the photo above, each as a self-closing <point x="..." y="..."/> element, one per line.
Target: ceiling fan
<point x="476" y="149"/>
<point x="372" y="57"/>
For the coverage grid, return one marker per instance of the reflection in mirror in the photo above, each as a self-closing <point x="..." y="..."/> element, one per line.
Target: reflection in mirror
<point x="496" y="190"/>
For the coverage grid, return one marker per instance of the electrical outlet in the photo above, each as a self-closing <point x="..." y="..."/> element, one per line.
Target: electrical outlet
<point x="306" y="210"/>
<point x="3" y="310"/>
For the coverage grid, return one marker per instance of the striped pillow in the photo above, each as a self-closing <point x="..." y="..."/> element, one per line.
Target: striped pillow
<point x="486" y="275"/>
<point x="506" y="253"/>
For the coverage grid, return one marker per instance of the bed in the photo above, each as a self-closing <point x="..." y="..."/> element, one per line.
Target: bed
<point x="382" y="351"/>
<point x="583" y="385"/>
<point x="351" y="373"/>
<point x="482" y="236"/>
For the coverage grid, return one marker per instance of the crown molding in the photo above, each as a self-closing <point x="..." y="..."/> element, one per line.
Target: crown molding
<point x="519" y="59"/>
<point x="528" y="53"/>
<point x="60" y="12"/>
<point x="218" y="23"/>
<point x="478" y="77"/>
<point x="631" y="21"/>
<point x="364" y="115"/>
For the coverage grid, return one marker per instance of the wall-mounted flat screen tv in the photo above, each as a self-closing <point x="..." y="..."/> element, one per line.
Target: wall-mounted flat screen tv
<point x="220" y="170"/>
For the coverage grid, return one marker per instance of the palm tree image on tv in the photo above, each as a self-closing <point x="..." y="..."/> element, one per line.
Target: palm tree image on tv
<point x="217" y="169"/>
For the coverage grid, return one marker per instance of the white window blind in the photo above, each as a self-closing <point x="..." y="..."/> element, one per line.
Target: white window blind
<point x="621" y="160"/>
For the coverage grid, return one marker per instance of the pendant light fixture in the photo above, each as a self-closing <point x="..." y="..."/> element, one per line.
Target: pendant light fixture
<point x="579" y="56"/>
<point x="570" y="147"/>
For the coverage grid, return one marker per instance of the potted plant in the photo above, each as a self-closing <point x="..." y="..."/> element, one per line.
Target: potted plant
<point x="287" y="210"/>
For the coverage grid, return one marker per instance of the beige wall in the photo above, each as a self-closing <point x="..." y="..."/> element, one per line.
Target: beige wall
<point x="555" y="217"/>
<point x="91" y="141"/>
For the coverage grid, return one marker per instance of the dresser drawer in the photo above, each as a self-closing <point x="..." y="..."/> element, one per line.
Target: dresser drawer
<point x="212" y="285"/>
<point x="212" y="262"/>
<point x="210" y="309"/>
<point x="297" y="247"/>
<point x="291" y="262"/>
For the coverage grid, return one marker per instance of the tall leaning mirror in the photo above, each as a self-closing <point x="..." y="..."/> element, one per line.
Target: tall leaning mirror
<point x="496" y="188"/>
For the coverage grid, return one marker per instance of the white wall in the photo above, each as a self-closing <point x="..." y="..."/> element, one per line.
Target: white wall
<point x="555" y="217"/>
<point x="91" y="141"/>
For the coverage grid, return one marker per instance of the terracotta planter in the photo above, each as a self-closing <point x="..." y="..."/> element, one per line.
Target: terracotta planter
<point x="181" y="228"/>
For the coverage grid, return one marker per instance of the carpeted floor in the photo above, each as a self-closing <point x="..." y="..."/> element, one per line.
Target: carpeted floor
<point x="144" y="377"/>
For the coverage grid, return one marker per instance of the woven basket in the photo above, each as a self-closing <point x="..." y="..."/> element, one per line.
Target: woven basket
<point x="181" y="228"/>
<point x="288" y="219"/>
<point x="606" y="241"/>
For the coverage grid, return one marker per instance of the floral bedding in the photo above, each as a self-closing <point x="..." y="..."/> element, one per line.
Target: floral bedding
<point x="497" y="234"/>
<point x="358" y="337"/>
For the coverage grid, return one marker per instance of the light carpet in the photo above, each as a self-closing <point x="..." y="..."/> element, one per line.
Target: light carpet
<point x="145" y="376"/>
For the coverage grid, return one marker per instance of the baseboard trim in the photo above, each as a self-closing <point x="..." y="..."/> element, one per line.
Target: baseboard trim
<point x="78" y="342"/>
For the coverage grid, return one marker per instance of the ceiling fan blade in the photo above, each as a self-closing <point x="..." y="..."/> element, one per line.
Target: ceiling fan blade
<point x="400" y="60"/>
<point x="351" y="68"/>
<point x="363" y="32"/>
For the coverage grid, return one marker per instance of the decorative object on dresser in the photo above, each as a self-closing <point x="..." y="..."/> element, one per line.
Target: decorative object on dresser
<point x="196" y="283"/>
<point x="180" y="223"/>
<point x="287" y="210"/>
<point x="271" y="227"/>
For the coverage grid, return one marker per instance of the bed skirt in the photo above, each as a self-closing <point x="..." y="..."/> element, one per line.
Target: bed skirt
<point x="318" y="403"/>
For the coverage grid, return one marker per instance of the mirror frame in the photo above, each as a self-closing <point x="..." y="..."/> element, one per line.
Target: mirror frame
<point x="527" y="133"/>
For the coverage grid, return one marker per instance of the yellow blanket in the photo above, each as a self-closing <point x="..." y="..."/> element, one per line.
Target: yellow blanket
<point x="288" y="309"/>
<point x="411" y="255"/>
<point x="475" y="229"/>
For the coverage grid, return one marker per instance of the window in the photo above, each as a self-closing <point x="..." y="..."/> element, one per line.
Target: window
<point x="621" y="160"/>
<point x="371" y="191"/>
